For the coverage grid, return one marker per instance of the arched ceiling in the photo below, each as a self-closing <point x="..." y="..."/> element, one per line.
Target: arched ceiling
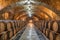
<point x="52" y="3"/>
<point x="40" y="9"/>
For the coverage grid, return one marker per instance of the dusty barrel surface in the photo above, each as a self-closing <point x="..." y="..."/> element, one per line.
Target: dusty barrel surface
<point x="56" y="26"/>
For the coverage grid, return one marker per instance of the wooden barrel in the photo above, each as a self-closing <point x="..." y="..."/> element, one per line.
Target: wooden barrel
<point x="5" y="15"/>
<point x="51" y="35"/>
<point x="9" y="25"/>
<point x="41" y="28"/>
<point x="15" y="26"/>
<point x="2" y="27"/>
<point x="4" y="36"/>
<point x="10" y="28"/>
<point x="58" y="37"/>
<point x="47" y="33"/>
<point x="18" y="27"/>
<point x="23" y="24"/>
<point x="54" y="36"/>
<point x="56" y="26"/>
<point x="14" y="29"/>
<point x="10" y="34"/>
<point x="46" y="24"/>
<point x="50" y="25"/>
<point x="43" y="24"/>
<point x="18" y="23"/>
<point x="44" y="31"/>
<point x="36" y="24"/>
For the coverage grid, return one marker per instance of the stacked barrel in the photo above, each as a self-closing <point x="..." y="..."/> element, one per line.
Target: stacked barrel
<point x="9" y="28"/>
<point x="51" y="29"/>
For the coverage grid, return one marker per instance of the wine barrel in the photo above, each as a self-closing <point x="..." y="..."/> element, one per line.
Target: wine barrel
<point x="43" y="24"/>
<point x="15" y="26"/>
<point x="10" y="28"/>
<point x="41" y="28"/>
<point x="18" y="23"/>
<point x="58" y="37"/>
<point x="9" y="25"/>
<point x="2" y="27"/>
<point x="54" y="36"/>
<point x="44" y="31"/>
<point x="36" y="23"/>
<point x="3" y="36"/>
<point x="10" y="34"/>
<point x="14" y="29"/>
<point x="50" y="25"/>
<point x="56" y="26"/>
<point x="24" y="23"/>
<point x="47" y="33"/>
<point x="5" y="15"/>
<point x="46" y="24"/>
<point x="51" y="35"/>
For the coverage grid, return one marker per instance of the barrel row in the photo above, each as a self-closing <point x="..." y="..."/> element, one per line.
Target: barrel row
<point x="53" y="25"/>
<point x="10" y="28"/>
<point x="51" y="35"/>
<point x="51" y="29"/>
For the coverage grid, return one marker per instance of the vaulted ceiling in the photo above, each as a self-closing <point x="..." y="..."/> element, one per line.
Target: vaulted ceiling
<point x="52" y="3"/>
<point x="47" y="9"/>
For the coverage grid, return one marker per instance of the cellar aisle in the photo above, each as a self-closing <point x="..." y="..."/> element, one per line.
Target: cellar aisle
<point x="30" y="34"/>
